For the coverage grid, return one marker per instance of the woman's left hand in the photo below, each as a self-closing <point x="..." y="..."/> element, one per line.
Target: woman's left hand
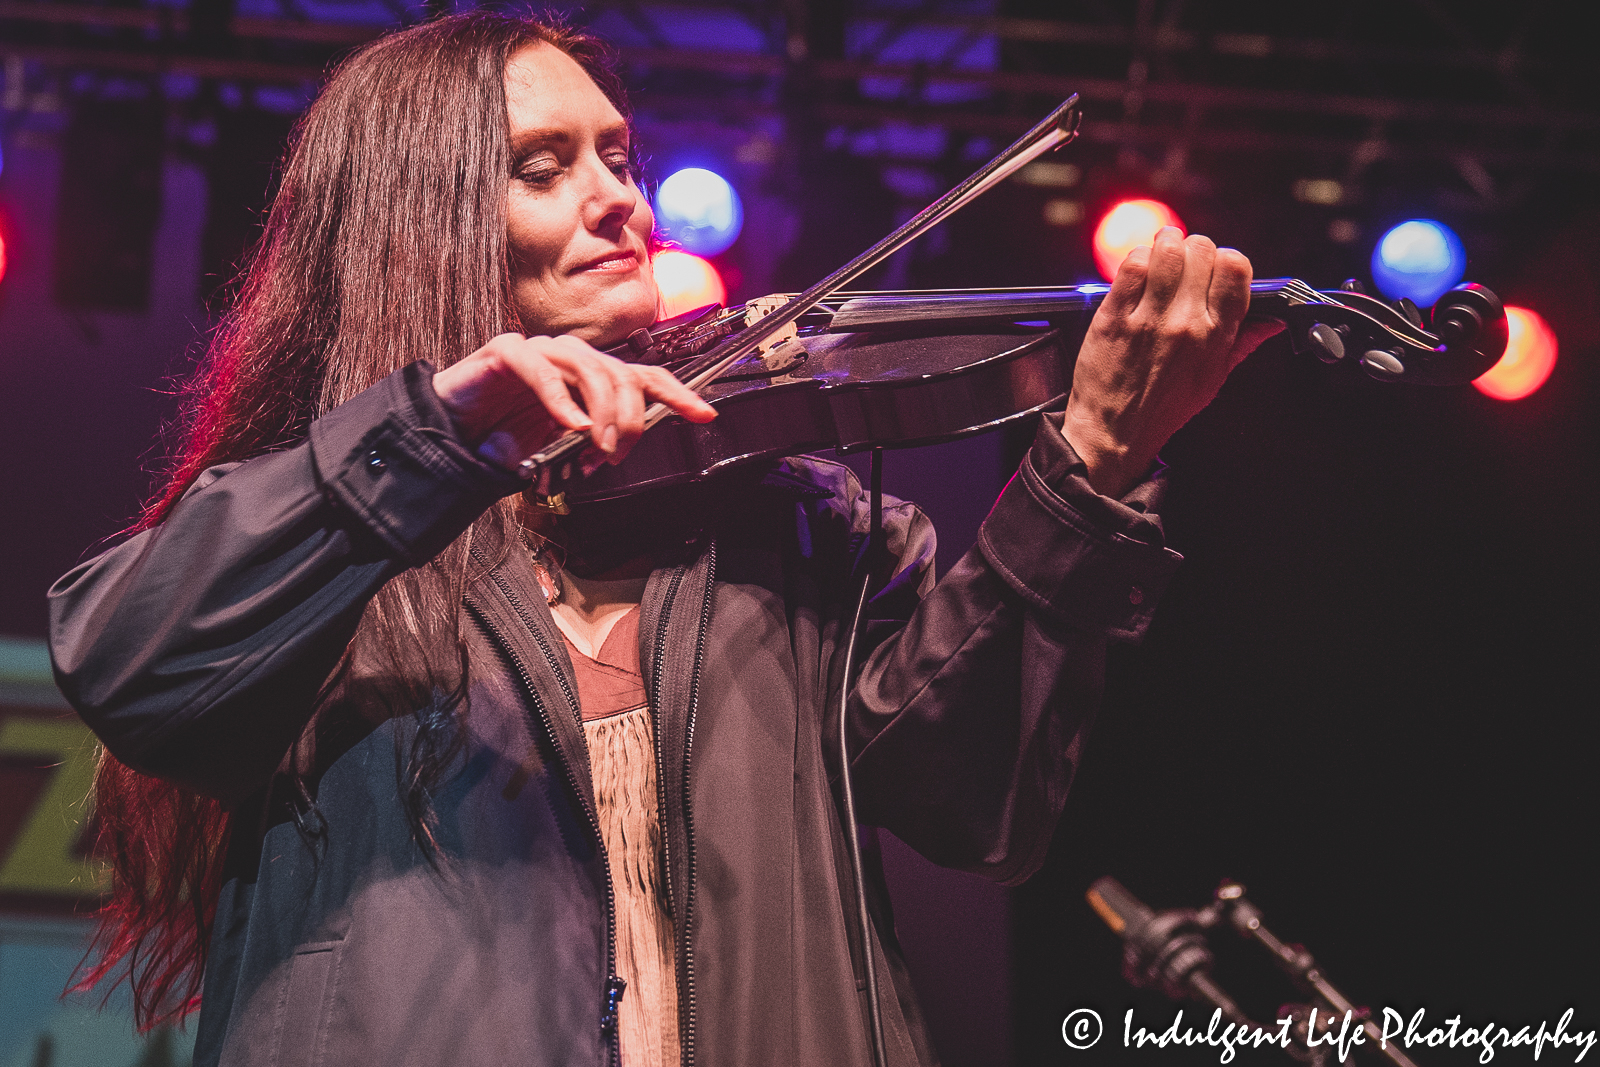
<point x="1157" y="351"/>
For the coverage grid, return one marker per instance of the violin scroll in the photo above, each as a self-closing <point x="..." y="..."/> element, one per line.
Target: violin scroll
<point x="1460" y="338"/>
<point x="1471" y="321"/>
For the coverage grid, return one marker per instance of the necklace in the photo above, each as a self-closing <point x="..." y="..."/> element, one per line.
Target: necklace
<point x="549" y="577"/>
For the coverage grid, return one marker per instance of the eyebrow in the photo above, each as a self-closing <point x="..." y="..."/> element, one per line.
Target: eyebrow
<point x="526" y="140"/>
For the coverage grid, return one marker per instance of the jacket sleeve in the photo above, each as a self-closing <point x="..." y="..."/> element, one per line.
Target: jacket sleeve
<point x="195" y="649"/>
<point x="969" y="723"/>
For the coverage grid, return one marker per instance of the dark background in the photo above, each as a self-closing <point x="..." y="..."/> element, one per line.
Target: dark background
<point x="1368" y="694"/>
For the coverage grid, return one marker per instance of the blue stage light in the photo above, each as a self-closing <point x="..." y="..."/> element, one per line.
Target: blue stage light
<point x="1420" y="259"/>
<point x="699" y="211"/>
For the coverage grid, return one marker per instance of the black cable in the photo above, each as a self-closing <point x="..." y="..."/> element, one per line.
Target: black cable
<point x="874" y="548"/>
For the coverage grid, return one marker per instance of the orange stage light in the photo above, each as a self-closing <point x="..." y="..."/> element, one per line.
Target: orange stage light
<point x="1530" y="356"/>
<point x="686" y="282"/>
<point x="1127" y="226"/>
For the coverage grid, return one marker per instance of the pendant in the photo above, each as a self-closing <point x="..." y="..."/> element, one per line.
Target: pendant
<point x="548" y="585"/>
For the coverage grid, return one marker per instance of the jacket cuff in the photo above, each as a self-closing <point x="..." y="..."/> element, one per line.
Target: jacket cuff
<point x="390" y="456"/>
<point x="1085" y="559"/>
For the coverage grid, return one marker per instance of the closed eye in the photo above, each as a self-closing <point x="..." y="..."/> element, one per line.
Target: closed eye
<point x="539" y="176"/>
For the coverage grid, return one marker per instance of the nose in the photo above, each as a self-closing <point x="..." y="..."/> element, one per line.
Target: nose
<point x="608" y="201"/>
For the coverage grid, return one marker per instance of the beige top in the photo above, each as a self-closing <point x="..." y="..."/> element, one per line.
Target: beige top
<point x="622" y="758"/>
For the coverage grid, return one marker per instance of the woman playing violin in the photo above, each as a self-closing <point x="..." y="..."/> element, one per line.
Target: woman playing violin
<point x="401" y="769"/>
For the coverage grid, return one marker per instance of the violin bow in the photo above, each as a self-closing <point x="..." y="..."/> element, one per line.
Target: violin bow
<point x="557" y="463"/>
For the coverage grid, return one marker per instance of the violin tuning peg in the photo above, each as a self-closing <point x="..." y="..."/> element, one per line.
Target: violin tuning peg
<point x="1325" y="342"/>
<point x="1352" y="285"/>
<point x="1382" y="365"/>
<point x="1410" y="310"/>
<point x="641" y="344"/>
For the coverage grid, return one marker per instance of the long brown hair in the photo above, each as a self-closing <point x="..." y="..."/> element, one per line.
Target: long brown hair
<point x="386" y="244"/>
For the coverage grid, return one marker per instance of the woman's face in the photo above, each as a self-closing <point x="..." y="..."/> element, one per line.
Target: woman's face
<point x="577" y="224"/>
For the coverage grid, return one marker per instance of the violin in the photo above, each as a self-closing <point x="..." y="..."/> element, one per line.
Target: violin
<point x="898" y="369"/>
<point x="835" y="369"/>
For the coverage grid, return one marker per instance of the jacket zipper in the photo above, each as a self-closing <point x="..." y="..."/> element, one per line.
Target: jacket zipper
<point x="614" y="987"/>
<point x="685" y="961"/>
<point x="688" y="746"/>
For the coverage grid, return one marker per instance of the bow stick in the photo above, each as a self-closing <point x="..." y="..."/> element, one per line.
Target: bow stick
<point x="556" y="464"/>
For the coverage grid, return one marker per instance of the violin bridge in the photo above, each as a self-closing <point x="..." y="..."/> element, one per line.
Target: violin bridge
<point x="760" y="308"/>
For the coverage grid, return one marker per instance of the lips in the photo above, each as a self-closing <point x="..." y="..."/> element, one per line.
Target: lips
<point x="610" y="263"/>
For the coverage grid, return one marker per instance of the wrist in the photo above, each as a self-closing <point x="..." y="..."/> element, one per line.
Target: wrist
<point x="449" y="385"/>
<point x="1113" y="467"/>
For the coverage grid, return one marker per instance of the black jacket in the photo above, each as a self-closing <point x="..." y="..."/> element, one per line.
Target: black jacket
<point x="196" y="651"/>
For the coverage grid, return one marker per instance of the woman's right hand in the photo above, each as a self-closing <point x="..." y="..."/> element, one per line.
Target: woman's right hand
<point x="516" y="394"/>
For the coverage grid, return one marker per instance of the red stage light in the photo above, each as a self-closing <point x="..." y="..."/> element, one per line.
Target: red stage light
<point x="1127" y="226"/>
<point x="686" y="282"/>
<point x="2" y="253"/>
<point x="1530" y="356"/>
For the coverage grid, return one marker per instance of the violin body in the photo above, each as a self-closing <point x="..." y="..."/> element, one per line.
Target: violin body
<point x="894" y="370"/>
<point x="849" y="391"/>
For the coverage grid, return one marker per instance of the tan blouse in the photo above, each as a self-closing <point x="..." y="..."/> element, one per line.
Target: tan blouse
<point x="622" y="758"/>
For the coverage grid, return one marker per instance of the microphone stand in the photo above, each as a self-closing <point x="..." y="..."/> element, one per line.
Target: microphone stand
<point x="1298" y="964"/>
<point x="1165" y="951"/>
<point x="1168" y="951"/>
